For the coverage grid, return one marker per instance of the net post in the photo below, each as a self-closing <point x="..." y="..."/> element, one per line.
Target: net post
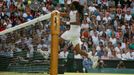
<point x="55" y="30"/>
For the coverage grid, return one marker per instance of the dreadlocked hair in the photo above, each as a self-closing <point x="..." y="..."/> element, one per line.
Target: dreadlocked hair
<point x="79" y="8"/>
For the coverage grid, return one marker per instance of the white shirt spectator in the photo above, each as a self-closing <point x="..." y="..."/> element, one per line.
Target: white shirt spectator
<point x="44" y="9"/>
<point x="98" y="18"/>
<point x="95" y="40"/>
<point x="103" y="41"/>
<point x="45" y="46"/>
<point x="88" y="20"/>
<point x="63" y="54"/>
<point x="92" y="32"/>
<point x="84" y="26"/>
<point x="18" y="49"/>
<point x="119" y="15"/>
<point x="115" y="24"/>
<point x="110" y="55"/>
<point x="94" y="59"/>
<point x="39" y="46"/>
<point x="45" y="54"/>
<point x="25" y="15"/>
<point x="123" y="28"/>
<point x="126" y="56"/>
<point x="98" y="48"/>
<point x="113" y="40"/>
<point x="105" y="19"/>
<point x="92" y="8"/>
<point x="119" y="56"/>
<point x="109" y="18"/>
<point x="128" y="17"/>
<point x="100" y="33"/>
<point x="108" y="32"/>
<point x="117" y="49"/>
<point x="123" y="45"/>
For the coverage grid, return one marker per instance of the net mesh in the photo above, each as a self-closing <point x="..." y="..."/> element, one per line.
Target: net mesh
<point x="27" y="45"/>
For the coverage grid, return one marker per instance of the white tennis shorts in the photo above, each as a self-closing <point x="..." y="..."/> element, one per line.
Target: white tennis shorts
<point x="72" y="35"/>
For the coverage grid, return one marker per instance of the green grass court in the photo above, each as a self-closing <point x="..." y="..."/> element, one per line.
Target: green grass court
<point x="15" y="73"/>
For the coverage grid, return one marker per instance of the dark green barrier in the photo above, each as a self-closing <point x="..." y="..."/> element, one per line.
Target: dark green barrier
<point x="71" y="65"/>
<point x="4" y="63"/>
<point x="110" y="66"/>
<point x="113" y="63"/>
<point x="112" y="70"/>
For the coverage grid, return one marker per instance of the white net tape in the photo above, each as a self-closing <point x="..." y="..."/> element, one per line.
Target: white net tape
<point x="31" y="22"/>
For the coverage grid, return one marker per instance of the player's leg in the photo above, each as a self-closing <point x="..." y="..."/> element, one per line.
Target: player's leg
<point x="61" y="41"/>
<point x="64" y="37"/>
<point x="79" y="51"/>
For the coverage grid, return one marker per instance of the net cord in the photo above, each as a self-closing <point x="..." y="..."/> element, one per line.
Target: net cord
<point x="29" y="23"/>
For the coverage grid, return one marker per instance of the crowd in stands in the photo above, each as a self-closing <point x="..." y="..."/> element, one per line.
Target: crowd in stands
<point x="107" y="30"/>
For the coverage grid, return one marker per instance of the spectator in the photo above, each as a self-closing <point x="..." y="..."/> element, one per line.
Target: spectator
<point x="128" y="16"/>
<point x="64" y="53"/>
<point x="118" y="51"/>
<point x="84" y="25"/>
<point x="95" y="39"/>
<point x="100" y="64"/>
<point x="126" y="55"/>
<point x="87" y="65"/>
<point x="121" y="65"/>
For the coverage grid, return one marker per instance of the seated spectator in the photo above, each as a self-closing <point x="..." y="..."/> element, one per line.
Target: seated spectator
<point x="113" y="40"/>
<point x="126" y="55"/>
<point x="118" y="51"/>
<point x="64" y="53"/>
<point x="128" y="16"/>
<point x="101" y="52"/>
<point x="92" y="8"/>
<point x="87" y="18"/>
<point x="95" y="39"/>
<point x="121" y="65"/>
<point x="100" y="64"/>
<point x="111" y="52"/>
<point x="84" y="25"/>
<point x="94" y="58"/>
<point x="44" y="52"/>
<point x="87" y="64"/>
